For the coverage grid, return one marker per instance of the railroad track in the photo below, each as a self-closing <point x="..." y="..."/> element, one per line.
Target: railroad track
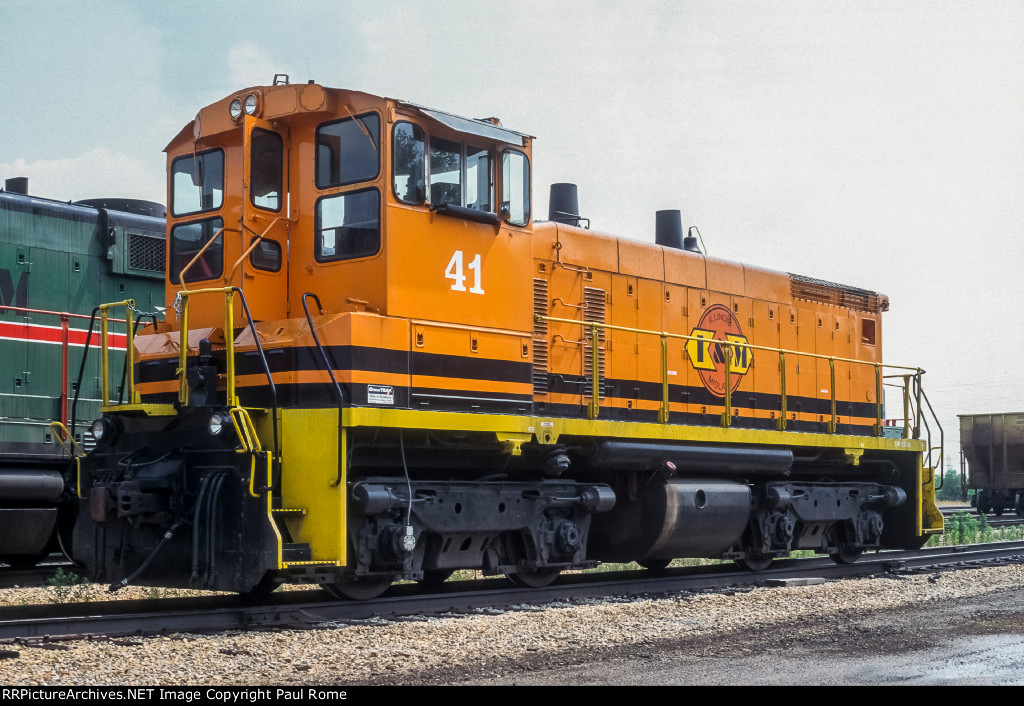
<point x="1007" y="519"/>
<point x="296" y="609"/>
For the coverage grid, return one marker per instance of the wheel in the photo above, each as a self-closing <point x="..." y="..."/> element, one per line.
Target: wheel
<point x="997" y="510"/>
<point x="435" y="577"/>
<point x="362" y="588"/>
<point x="655" y="566"/>
<point x="755" y="562"/>
<point x="537" y="578"/>
<point x="23" y="561"/>
<point x="846" y="555"/>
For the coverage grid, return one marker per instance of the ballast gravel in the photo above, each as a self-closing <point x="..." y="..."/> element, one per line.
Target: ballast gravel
<point x="508" y="646"/>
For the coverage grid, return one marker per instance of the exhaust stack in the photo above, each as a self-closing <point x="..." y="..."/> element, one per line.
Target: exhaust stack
<point x="668" y="231"/>
<point x="16" y="185"/>
<point x="563" y="204"/>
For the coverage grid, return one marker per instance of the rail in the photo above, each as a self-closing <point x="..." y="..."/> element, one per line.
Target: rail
<point x="732" y="350"/>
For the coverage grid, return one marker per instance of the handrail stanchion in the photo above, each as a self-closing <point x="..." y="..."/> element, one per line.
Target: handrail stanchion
<point x="129" y="350"/>
<point x="595" y="374"/>
<point x="664" y="411"/>
<point x="832" y="394"/>
<point x="104" y="357"/>
<point x="65" y="342"/>
<point x="727" y="412"/>
<point x="229" y="346"/>
<point x="906" y="407"/>
<point x="920" y="412"/>
<point x="183" y="349"/>
<point x="782" y="391"/>
<point x="878" y="399"/>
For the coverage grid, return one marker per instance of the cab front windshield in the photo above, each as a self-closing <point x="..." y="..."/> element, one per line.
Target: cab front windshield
<point x="197" y="183"/>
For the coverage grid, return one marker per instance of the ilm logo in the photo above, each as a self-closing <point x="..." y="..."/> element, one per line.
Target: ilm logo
<point x="12" y="295"/>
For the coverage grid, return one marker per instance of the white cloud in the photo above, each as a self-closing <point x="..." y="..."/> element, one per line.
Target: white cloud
<point x="95" y="174"/>
<point x="250" y="66"/>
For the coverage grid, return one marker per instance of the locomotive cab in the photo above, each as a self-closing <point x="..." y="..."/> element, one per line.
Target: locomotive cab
<point x="379" y="367"/>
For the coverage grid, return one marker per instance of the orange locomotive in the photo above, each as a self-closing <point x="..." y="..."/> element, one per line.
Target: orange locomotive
<point x="392" y="372"/>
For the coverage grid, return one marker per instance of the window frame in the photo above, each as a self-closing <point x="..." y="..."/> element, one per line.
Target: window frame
<point x="529" y="189"/>
<point x="174" y="277"/>
<point x="465" y="147"/>
<point x="280" y="254"/>
<point x="423" y="162"/>
<point x="318" y="231"/>
<point x="193" y="155"/>
<point x="281" y="165"/>
<point x="316" y="149"/>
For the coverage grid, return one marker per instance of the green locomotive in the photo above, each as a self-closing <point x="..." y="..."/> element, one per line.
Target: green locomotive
<point x="57" y="260"/>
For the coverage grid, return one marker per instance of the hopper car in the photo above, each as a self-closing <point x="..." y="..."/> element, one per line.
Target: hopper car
<point x="377" y="365"/>
<point x="992" y="461"/>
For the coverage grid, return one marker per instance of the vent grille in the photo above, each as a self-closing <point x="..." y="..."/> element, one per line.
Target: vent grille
<point x="540" y="337"/>
<point x="593" y="311"/>
<point x="146" y="252"/>
<point x="817" y="290"/>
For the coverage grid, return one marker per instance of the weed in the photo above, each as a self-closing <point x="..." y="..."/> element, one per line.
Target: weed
<point x="69" y="587"/>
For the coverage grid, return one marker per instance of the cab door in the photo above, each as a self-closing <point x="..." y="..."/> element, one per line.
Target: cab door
<point x="261" y="273"/>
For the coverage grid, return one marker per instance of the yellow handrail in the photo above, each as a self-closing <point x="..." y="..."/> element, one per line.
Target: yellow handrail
<point x="727" y="396"/>
<point x="129" y="305"/>
<point x="229" y="342"/>
<point x="259" y="238"/>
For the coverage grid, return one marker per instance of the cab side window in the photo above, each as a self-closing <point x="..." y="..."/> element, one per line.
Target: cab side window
<point x="445" y="172"/>
<point x="515" y="188"/>
<point x="348" y="225"/>
<point x="409" y="170"/>
<point x="347" y="151"/>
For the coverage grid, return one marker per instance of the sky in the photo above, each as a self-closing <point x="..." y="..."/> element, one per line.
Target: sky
<point x="875" y="144"/>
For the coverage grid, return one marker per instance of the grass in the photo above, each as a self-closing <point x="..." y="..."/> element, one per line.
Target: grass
<point x="69" y="587"/>
<point x="968" y="528"/>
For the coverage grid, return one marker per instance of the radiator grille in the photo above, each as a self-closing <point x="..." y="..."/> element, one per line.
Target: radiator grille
<point x="817" y="290"/>
<point x="594" y="311"/>
<point x="146" y="252"/>
<point x="540" y="337"/>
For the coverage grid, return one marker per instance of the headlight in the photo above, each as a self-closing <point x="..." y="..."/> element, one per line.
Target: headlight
<point x="250" y="104"/>
<point x="102" y="428"/>
<point x="236" y="109"/>
<point x="216" y="424"/>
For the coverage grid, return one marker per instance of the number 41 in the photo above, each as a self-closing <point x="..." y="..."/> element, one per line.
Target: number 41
<point x="454" y="272"/>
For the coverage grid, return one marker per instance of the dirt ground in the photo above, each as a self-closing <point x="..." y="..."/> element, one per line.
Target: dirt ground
<point x="970" y="641"/>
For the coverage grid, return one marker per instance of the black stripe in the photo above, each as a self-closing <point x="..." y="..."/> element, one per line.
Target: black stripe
<point x="471" y="368"/>
<point x="361" y="358"/>
<point x="639" y="390"/>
